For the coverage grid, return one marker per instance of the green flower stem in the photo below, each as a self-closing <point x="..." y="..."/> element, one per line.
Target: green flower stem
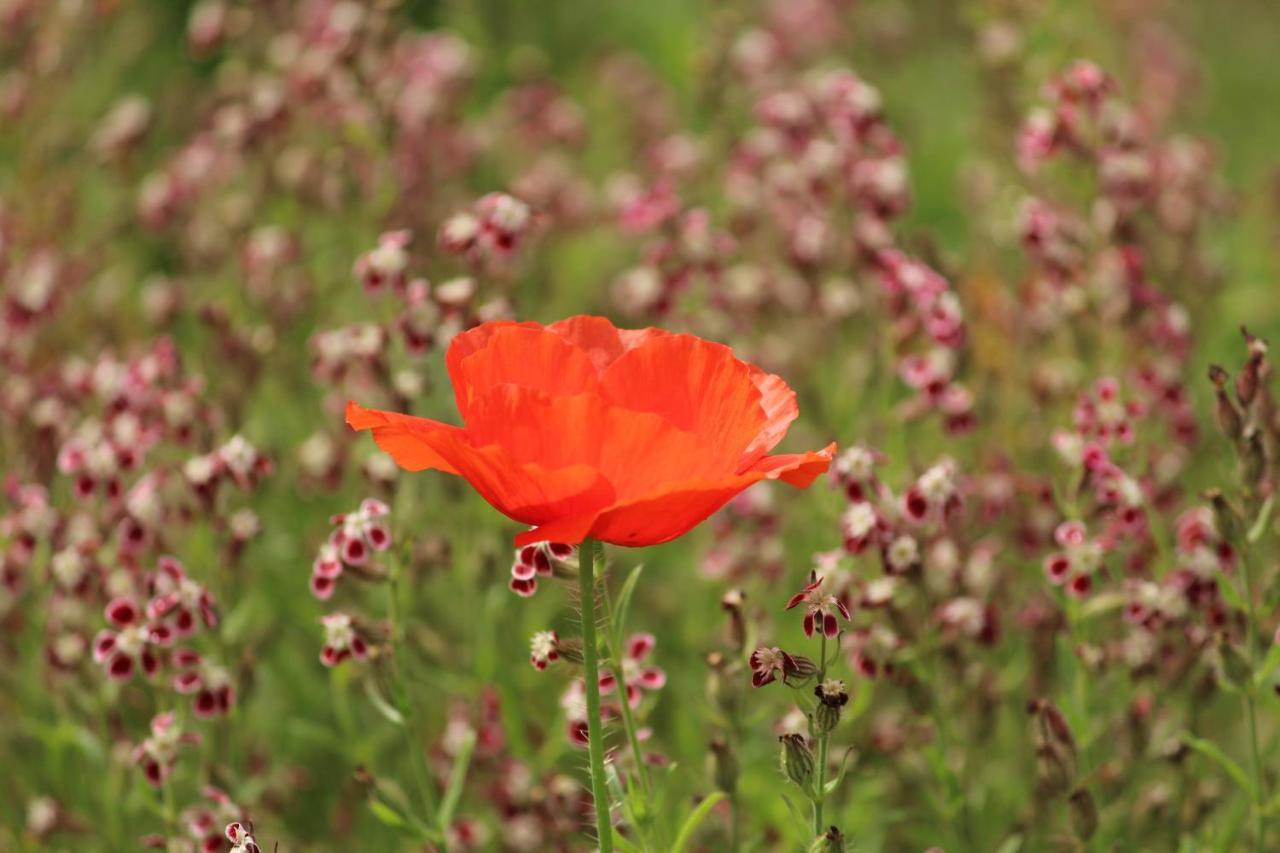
<point x="820" y="772"/>
<point x="1251" y="640"/>
<point x="591" y="677"/>
<point x="628" y="721"/>
<point x="407" y="707"/>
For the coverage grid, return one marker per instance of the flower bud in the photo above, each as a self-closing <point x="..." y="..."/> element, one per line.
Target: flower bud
<point x="1253" y="457"/>
<point x="799" y="669"/>
<point x="732" y="603"/>
<point x="1055" y="750"/>
<point x="832" y="697"/>
<point x="1247" y="381"/>
<point x="1229" y="419"/>
<point x="831" y="841"/>
<point x="1084" y="814"/>
<point x="796" y="759"/>
<point x="724" y="765"/>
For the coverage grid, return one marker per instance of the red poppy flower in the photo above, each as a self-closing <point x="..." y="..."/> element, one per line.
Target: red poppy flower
<point x="584" y="430"/>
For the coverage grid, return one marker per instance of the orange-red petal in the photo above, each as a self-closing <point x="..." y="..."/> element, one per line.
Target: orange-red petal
<point x="780" y="408"/>
<point x="529" y="492"/>
<point x="403" y="437"/>
<point x="698" y="386"/>
<point x="667" y="514"/>
<point x="523" y="354"/>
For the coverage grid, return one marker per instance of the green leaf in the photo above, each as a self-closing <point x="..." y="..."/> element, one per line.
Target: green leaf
<point x="457" y="781"/>
<point x="1211" y="750"/>
<point x="387" y="815"/>
<point x="1268" y="665"/>
<point x="1260" y="523"/>
<point x="624" y="600"/>
<point x="620" y="842"/>
<point x="694" y="819"/>
<point x="834" y="782"/>
<point x="1012" y="844"/>
<point x="1231" y="594"/>
<point x="384" y="707"/>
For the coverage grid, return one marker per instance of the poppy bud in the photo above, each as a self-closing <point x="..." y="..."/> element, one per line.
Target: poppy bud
<point x="832" y="697"/>
<point x="796" y="759"/>
<point x="1229" y="419"/>
<point x="831" y="841"/>
<point x="724" y="765"/>
<point x="1084" y="814"/>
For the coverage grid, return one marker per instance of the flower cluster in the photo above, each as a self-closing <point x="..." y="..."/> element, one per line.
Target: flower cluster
<point x="356" y="538"/>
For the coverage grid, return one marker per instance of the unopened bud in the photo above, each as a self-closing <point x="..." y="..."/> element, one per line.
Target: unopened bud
<point x="1055" y="750"/>
<point x="1247" y="381"/>
<point x="1229" y="419"/>
<point x="724" y="765"/>
<point x="797" y="759"/>
<point x="798" y="670"/>
<point x="1084" y="814"/>
<point x="1253" y="456"/>
<point x="732" y="603"/>
<point x="831" y="841"/>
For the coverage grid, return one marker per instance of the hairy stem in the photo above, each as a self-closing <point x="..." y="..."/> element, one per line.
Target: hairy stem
<point x="614" y="634"/>
<point x="591" y="677"/>
<point x="820" y="771"/>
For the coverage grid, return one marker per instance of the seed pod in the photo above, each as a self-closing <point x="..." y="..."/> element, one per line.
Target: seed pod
<point x="797" y="759"/>
<point x="1084" y="814"/>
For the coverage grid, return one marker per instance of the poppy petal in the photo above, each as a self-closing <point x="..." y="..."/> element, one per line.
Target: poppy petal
<point x="697" y="385"/>
<point x="636" y="452"/>
<point x="797" y="469"/>
<point x="780" y="409"/>
<point x="601" y="340"/>
<point x="403" y="437"/>
<point x="663" y="516"/>
<point x="523" y="354"/>
<point x="527" y="492"/>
